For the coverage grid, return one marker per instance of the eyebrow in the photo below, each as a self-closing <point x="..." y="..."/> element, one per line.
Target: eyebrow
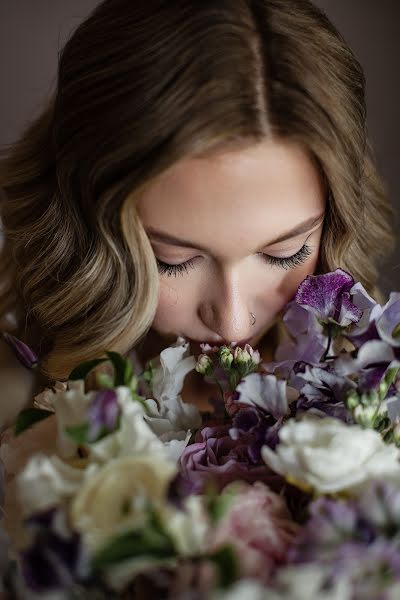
<point x="166" y="238"/>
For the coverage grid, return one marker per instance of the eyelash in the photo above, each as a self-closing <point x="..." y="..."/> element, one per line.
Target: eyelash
<point x="284" y="263"/>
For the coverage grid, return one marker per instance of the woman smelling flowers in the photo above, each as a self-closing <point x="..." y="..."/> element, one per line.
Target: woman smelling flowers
<point x="194" y="164"/>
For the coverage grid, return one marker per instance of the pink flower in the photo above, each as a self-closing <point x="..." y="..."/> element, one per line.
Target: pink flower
<point x="258" y="525"/>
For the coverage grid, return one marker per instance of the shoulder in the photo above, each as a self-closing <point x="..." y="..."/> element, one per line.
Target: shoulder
<point x="17" y="385"/>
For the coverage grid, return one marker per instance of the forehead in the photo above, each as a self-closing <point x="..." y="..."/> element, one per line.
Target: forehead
<point x="237" y="197"/>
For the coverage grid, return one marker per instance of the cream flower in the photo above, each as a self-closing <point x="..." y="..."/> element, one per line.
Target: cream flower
<point x="189" y="528"/>
<point x="47" y="481"/>
<point x="329" y="456"/>
<point x="116" y="498"/>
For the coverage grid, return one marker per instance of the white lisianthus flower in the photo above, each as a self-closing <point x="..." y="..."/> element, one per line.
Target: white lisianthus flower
<point x="175" y="364"/>
<point x="134" y="437"/>
<point x="169" y="417"/>
<point x="116" y="498"/>
<point x="329" y="456"/>
<point x="47" y="481"/>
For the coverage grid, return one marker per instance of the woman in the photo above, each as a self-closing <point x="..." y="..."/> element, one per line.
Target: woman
<point x="196" y="161"/>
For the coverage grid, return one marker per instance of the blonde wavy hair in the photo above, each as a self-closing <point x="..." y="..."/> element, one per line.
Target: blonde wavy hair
<point x="142" y="84"/>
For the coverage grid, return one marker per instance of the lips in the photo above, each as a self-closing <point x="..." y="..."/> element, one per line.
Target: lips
<point x="195" y="344"/>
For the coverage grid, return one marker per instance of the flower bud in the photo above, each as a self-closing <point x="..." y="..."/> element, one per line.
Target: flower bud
<point x="204" y="365"/>
<point x="241" y="356"/>
<point x="225" y="357"/>
<point x="352" y="400"/>
<point x="365" y="415"/>
<point x="254" y="354"/>
<point x="24" y="354"/>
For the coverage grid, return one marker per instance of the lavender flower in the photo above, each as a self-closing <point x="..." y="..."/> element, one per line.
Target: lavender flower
<point x="24" y="354"/>
<point x="374" y="517"/>
<point x="380" y="323"/>
<point x="388" y="324"/>
<point x="104" y="413"/>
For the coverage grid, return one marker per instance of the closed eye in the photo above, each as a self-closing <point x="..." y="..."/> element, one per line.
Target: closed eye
<point x="288" y="262"/>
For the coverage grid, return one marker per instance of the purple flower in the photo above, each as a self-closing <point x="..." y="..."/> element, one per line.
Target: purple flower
<point x="24" y="354"/>
<point x="323" y="391"/>
<point x="216" y="457"/>
<point x="53" y="561"/>
<point x="328" y="297"/>
<point x="104" y="413"/>
<point x="259" y="427"/>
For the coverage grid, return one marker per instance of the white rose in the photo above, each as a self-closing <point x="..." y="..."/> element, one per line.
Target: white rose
<point x="116" y="498"/>
<point x="330" y="456"/>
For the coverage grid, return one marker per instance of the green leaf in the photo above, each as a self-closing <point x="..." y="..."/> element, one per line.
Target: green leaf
<point x="119" y="364"/>
<point x="84" y="368"/>
<point x="128" y="374"/>
<point x="218" y="504"/>
<point x="29" y="417"/>
<point x="226" y="562"/>
<point x="78" y="433"/>
<point x="147" y="542"/>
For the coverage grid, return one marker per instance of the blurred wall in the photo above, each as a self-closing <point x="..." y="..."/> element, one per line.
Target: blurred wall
<point x="32" y="32"/>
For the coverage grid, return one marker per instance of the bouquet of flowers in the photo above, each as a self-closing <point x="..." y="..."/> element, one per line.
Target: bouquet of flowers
<point x="289" y="489"/>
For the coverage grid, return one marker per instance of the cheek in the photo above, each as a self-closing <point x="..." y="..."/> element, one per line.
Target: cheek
<point x="174" y="303"/>
<point x="293" y="278"/>
<point x="283" y="289"/>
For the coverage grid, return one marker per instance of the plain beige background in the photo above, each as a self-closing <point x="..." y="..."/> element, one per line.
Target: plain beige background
<point x="32" y="32"/>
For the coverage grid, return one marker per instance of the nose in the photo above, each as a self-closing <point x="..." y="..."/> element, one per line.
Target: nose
<point x="226" y="307"/>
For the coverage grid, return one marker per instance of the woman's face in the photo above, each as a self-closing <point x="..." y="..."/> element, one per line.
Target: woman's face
<point x="233" y="235"/>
